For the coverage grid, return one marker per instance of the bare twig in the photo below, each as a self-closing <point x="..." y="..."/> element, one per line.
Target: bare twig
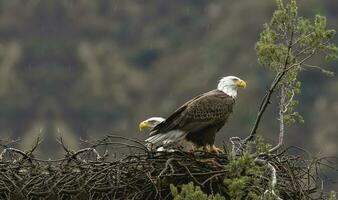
<point x="22" y="153"/>
<point x="236" y="146"/>
<point x="273" y="182"/>
<point x="167" y="165"/>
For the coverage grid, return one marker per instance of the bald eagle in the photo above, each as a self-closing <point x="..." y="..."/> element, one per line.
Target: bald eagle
<point x="196" y="122"/>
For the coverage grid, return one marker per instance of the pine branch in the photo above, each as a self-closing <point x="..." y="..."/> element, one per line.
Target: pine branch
<point x="267" y="97"/>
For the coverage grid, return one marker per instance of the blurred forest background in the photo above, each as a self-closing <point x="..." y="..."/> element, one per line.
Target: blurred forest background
<point x="87" y="68"/>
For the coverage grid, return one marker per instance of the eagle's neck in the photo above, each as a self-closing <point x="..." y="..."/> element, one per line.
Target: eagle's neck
<point x="230" y="90"/>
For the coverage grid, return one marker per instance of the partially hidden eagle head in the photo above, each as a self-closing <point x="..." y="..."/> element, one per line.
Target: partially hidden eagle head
<point x="230" y="84"/>
<point x="150" y="123"/>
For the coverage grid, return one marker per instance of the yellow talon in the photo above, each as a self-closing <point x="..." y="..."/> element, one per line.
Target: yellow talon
<point x="213" y="149"/>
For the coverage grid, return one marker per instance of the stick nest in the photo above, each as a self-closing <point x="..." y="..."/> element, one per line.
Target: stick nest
<point x="96" y="172"/>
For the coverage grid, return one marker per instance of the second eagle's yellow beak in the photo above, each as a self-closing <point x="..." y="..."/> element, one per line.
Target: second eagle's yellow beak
<point x="241" y="84"/>
<point x="143" y="125"/>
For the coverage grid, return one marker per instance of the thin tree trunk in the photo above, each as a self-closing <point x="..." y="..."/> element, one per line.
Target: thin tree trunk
<point x="281" y="119"/>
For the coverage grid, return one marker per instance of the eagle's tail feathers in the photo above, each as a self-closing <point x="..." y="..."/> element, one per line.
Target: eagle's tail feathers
<point x="165" y="139"/>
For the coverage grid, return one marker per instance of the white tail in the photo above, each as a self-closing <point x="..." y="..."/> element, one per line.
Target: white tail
<point x="165" y="139"/>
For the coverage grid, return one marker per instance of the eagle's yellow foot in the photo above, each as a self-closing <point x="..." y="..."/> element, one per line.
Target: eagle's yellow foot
<point x="195" y="148"/>
<point x="214" y="149"/>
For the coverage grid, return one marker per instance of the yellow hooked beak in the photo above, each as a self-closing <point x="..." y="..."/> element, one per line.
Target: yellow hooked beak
<point x="143" y="125"/>
<point x="241" y="84"/>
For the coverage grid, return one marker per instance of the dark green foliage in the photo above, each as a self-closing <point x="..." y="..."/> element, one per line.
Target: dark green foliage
<point x="259" y="146"/>
<point x="191" y="192"/>
<point x="243" y="180"/>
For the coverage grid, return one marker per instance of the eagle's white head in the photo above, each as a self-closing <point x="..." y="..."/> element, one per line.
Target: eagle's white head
<point x="150" y="123"/>
<point x="230" y="84"/>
